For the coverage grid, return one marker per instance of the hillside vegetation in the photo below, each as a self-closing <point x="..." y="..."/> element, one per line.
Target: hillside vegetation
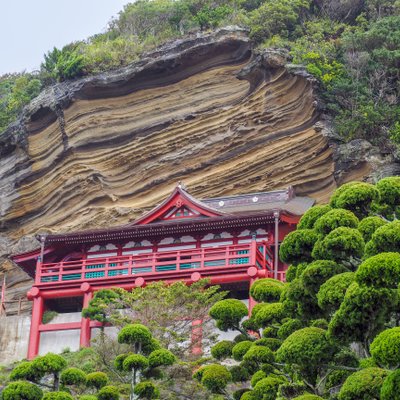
<point x="352" y="47"/>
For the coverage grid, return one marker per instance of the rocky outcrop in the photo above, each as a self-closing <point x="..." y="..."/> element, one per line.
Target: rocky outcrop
<point x="206" y="110"/>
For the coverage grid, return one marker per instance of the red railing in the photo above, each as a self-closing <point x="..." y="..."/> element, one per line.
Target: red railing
<point x="251" y="254"/>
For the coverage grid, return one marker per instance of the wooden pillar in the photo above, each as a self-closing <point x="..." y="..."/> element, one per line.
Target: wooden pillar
<point x="37" y="315"/>
<point x="197" y="337"/>
<point x="85" y="322"/>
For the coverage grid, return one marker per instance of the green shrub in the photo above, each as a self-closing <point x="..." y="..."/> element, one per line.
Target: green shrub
<point x="391" y="386"/>
<point x="358" y="198"/>
<point x="48" y="315"/>
<point x="271" y="343"/>
<point x="384" y="239"/>
<point x="266" y="290"/>
<point x="336" y="218"/>
<point x="353" y="318"/>
<point x="21" y="391"/>
<point x="240" y="349"/>
<point x="228" y="313"/>
<point x="385" y="349"/>
<point x="308" y="397"/>
<point x="382" y="270"/>
<point x="215" y="378"/>
<point x="297" y="246"/>
<point x="389" y="189"/>
<point x="96" y="380"/>
<point x="332" y="292"/>
<point x="365" y="384"/>
<point x="288" y="327"/>
<point x="161" y="357"/>
<point x="24" y="370"/>
<point x="73" y="376"/>
<point x="239" y="374"/>
<point x="269" y="313"/>
<point x="309" y="218"/>
<point x="317" y="273"/>
<point x="49" y="363"/>
<point x="134" y="333"/>
<point x="135" y="361"/>
<point x="340" y="245"/>
<point x="237" y="395"/>
<point x="257" y="377"/>
<point x="369" y="225"/>
<point x="305" y="346"/>
<point x="57" y="396"/>
<point x="146" y="390"/>
<point x="259" y="354"/>
<point x="222" y="349"/>
<point x="108" y="393"/>
<point x="291" y="273"/>
<point x="267" y="388"/>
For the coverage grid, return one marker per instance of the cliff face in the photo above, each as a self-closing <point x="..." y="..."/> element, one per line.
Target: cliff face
<point x="208" y="111"/>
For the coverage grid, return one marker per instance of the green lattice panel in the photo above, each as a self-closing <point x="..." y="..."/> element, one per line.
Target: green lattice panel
<point x="118" y="272"/>
<point x="71" y="277"/>
<point x="239" y="261"/>
<point x="216" y="263"/>
<point x="162" y="268"/>
<point x="93" y="275"/>
<point x="190" y="265"/>
<point x="140" y="270"/>
<point x="49" y="279"/>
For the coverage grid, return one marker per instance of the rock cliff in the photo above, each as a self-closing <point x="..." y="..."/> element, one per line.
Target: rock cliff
<point x="207" y="110"/>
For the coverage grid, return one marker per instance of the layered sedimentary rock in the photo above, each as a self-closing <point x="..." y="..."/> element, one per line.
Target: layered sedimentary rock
<point x="207" y="111"/>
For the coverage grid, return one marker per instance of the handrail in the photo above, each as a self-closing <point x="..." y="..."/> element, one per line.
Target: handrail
<point x="230" y="256"/>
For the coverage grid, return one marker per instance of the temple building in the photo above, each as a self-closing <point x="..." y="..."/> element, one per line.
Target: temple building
<point x="230" y="240"/>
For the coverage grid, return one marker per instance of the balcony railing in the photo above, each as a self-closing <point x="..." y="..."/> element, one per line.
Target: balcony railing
<point x="223" y="257"/>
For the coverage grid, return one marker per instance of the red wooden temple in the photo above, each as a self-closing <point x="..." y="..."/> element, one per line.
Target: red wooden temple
<point x="230" y="240"/>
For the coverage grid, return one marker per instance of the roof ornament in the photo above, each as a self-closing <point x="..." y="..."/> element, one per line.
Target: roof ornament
<point x="182" y="186"/>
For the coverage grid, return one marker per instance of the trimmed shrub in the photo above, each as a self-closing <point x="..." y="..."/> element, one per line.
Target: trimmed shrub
<point x="291" y="273"/>
<point x="222" y="349"/>
<point x="134" y="333"/>
<point x="365" y="384"/>
<point x="146" y="390"/>
<point x="336" y="218"/>
<point x="272" y="343"/>
<point x="309" y="218"/>
<point x="385" y="349"/>
<point x="318" y="273"/>
<point x="389" y="189"/>
<point x="297" y="246"/>
<point x="237" y="395"/>
<point x="108" y="393"/>
<point x="21" y="391"/>
<point x="215" y="378"/>
<point x="269" y="313"/>
<point x="369" y="225"/>
<point x="24" y="370"/>
<point x="357" y="197"/>
<point x="240" y="349"/>
<point x="391" y="387"/>
<point x="135" y="361"/>
<point x="161" y="357"/>
<point x="288" y="328"/>
<point x="239" y="374"/>
<point x="353" y="318"/>
<point x="385" y="239"/>
<point x="96" y="380"/>
<point x="332" y="292"/>
<point x="57" y="396"/>
<point x="267" y="388"/>
<point x="308" y="397"/>
<point x="340" y="245"/>
<point x="304" y="347"/>
<point x="266" y="290"/>
<point x="257" y="377"/>
<point x="49" y="363"/>
<point x="73" y="376"/>
<point x="228" y="313"/>
<point x="259" y="354"/>
<point x="381" y="271"/>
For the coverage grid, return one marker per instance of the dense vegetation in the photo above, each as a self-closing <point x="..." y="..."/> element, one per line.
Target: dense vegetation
<point x="332" y="331"/>
<point x="351" y="47"/>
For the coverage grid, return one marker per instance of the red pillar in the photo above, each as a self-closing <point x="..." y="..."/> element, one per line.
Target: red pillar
<point x="34" y="335"/>
<point x="85" y="322"/>
<point x="252" y="302"/>
<point x="197" y="337"/>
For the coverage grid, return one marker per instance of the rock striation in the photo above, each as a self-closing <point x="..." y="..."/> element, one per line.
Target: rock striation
<point x="207" y="110"/>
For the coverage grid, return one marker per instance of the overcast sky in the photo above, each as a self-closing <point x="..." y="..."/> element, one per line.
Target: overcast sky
<point x="30" y="28"/>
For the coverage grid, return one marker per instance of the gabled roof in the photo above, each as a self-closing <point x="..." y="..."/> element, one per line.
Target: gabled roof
<point x="179" y="205"/>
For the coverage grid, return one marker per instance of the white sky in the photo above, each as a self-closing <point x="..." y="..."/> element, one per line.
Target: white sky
<point x="30" y="28"/>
